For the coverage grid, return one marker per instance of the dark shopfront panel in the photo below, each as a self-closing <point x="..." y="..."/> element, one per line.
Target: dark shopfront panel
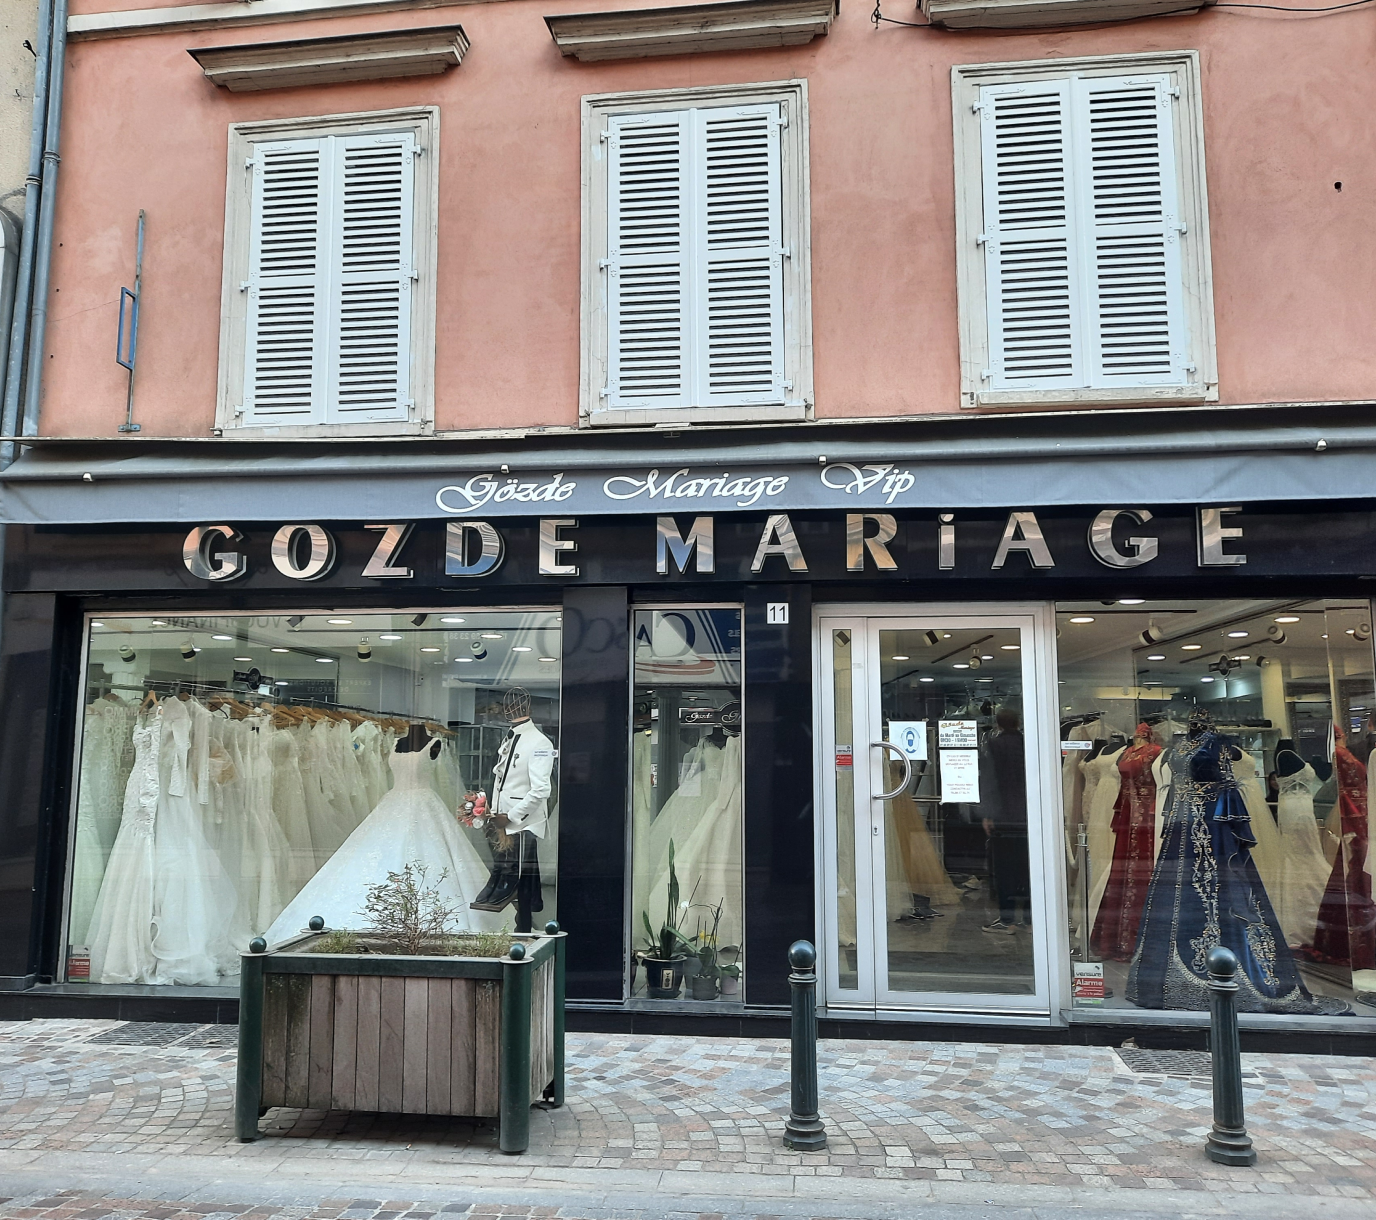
<point x="54" y="575"/>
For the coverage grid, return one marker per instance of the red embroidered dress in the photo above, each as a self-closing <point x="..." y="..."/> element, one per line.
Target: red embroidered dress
<point x="1134" y="827"/>
<point x="1346" y="931"/>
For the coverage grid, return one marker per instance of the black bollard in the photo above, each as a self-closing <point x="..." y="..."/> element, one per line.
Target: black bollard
<point x="1228" y="1142"/>
<point x="804" y="1131"/>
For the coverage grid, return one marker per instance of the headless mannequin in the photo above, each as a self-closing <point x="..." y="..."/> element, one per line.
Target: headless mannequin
<point x="1287" y="761"/>
<point x="416" y="739"/>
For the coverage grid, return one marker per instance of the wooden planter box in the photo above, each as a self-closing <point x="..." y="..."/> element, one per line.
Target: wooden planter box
<point x="477" y="1037"/>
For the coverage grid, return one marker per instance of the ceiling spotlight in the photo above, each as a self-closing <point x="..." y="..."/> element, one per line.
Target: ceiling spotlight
<point x="1287" y="618"/>
<point x="1275" y="634"/>
<point x="975" y="662"/>
<point x="1153" y="635"/>
<point x="418" y="620"/>
<point x="1362" y="631"/>
<point x="1131" y="601"/>
<point x="389" y="635"/>
<point x="188" y="647"/>
<point x="295" y="621"/>
<point x="899" y="657"/>
<point x="1190" y="647"/>
<point x="453" y="618"/>
<point x="1156" y="656"/>
<point x="339" y="622"/>
<point x="1081" y="618"/>
<point x="127" y="654"/>
<point x="365" y="649"/>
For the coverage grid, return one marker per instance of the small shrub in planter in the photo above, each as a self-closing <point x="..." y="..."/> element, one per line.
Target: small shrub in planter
<point x="404" y="1017"/>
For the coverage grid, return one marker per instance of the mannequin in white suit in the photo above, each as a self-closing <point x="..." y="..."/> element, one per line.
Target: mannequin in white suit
<point x="520" y="807"/>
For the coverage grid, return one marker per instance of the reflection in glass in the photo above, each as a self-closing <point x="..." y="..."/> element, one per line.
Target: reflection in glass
<point x="687" y="902"/>
<point x="229" y="764"/>
<point x="843" y="751"/>
<point x="957" y="886"/>
<point x="1275" y="762"/>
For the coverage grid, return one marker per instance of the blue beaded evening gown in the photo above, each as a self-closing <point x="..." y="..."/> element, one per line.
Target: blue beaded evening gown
<point x="1206" y="891"/>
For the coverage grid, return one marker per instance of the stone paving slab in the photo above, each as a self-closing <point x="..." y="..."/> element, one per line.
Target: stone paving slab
<point x="661" y="1112"/>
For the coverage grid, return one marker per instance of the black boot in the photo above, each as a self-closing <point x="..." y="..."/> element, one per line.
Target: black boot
<point x="501" y="896"/>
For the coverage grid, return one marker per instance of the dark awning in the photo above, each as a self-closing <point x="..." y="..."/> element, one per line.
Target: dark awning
<point x="1165" y="456"/>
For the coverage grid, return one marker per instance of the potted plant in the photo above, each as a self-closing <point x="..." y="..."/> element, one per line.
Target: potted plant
<point x="666" y="951"/>
<point x="403" y="1017"/>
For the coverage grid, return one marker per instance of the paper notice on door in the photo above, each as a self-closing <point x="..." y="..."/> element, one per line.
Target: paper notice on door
<point x="957" y="734"/>
<point x="910" y="736"/>
<point x="960" y="775"/>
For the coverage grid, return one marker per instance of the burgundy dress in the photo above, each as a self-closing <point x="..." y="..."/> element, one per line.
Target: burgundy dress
<point x="1134" y="829"/>
<point x="1345" y="934"/>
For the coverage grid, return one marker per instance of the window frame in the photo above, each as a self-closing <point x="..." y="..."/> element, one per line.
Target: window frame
<point x="1196" y="266"/>
<point x="423" y="124"/>
<point x="598" y="109"/>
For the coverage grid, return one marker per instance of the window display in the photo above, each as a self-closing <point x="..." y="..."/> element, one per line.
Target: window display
<point x="242" y="773"/>
<point x="686" y="829"/>
<point x="1215" y="760"/>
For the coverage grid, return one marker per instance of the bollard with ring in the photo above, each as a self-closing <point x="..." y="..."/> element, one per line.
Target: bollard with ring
<point x="1228" y="1142"/>
<point x="804" y="1131"/>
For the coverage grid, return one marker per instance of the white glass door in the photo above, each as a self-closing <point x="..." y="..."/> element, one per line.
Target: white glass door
<point x="935" y="798"/>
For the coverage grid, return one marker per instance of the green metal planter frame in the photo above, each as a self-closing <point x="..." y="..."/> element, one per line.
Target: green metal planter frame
<point x="514" y="972"/>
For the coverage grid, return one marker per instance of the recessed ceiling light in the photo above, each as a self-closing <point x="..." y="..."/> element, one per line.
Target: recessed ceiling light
<point x="430" y="649"/>
<point x="1156" y="656"/>
<point x="492" y="635"/>
<point x="1243" y="656"/>
<point x="221" y="637"/>
<point x="243" y="658"/>
<point x="899" y="657"/>
<point x="926" y="679"/>
<point x="1206" y="679"/>
<point x="548" y="658"/>
<point x="1352" y="631"/>
<point x="945" y="635"/>
<point x="464" y="660"/>
<point x="1237" y="635"/>
<point x="281" y="650"/>
<point x="521" y="648"/>
<point x="987" y="656"/>
<point x="391" y="635"/>
<point x="339" y="622"/>
<point x="1010" y="647"/>
<point x="281" y="682"/>
<point x="1287" y="618"/>
<point x="1151" y="683"/>
<point x="1081" y="618"/>
<point x="960" y="665"/>
<point x="95" y="624"/>
<point x="325" y="660"/>
<point x="157" y="622"/>
<point x="1131" y="601"/>
<point x="1190" y="647"/>
<point x="453" y="618"/>
<point x="984" y="679"/>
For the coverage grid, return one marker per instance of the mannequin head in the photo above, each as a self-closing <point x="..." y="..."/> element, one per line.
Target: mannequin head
<point x="516" y="704"/>
<point x="1144" y="732"/>
<point x="1201" y="719"/>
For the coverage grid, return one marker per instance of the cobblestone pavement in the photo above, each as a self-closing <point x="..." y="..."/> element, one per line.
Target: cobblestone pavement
<point x="659" y="1108"/>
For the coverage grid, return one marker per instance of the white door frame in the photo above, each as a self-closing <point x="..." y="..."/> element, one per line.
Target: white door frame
<point x="1045" y="839"/>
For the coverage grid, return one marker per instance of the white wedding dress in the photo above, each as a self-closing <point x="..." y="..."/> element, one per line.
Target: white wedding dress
<point x="410" y="825"/>
<point x="1304" y="868"/>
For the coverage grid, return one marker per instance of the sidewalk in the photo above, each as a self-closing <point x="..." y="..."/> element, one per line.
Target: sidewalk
<point x="667" y="1126"/>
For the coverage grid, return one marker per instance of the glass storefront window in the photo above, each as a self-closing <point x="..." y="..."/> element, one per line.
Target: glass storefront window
<point x="241" y="773"/>
<point x="686" y="831"/>
<point x="1215" y="760"/>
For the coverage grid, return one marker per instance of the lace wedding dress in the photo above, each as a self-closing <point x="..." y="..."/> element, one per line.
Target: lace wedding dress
<point x="410" y="825"/>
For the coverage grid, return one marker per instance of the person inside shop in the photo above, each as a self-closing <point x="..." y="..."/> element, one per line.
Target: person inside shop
<point x="1004" y="811"/>
<point x="520" y="814"/>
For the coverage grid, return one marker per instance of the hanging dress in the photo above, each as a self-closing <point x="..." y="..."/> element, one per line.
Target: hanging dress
<point x="121" y="934"/>
<point x="1205" y="891"/>
<point x="1102" y="782"/>
<point x="1345" y="929"/>
<point x="1134" y="827"/>
<point x="1304" y="868"/>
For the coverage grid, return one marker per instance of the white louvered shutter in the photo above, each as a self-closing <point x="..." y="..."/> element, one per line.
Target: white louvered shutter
<point x="695" y="258"/>
<point x="738" y="265"/>
<point x="1031" y="275"/>
<point x="648" y="308"/>
<point x="1129" y="202"/>
<point x="287" y="339"/>
<point x="371" y="278"/>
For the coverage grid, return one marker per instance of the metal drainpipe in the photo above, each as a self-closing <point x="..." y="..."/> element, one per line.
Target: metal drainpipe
<point x="43" y="252"/>
<point x="19" y="325"/>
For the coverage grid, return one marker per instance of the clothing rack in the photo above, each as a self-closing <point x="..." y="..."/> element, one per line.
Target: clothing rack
<point x="371" y="713"/>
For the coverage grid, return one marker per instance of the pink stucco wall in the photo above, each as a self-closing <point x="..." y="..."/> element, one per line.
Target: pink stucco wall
<point x="1287" y="112"/>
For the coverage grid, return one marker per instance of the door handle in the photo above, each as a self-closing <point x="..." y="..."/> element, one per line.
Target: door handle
<point x="907" y="770"/>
